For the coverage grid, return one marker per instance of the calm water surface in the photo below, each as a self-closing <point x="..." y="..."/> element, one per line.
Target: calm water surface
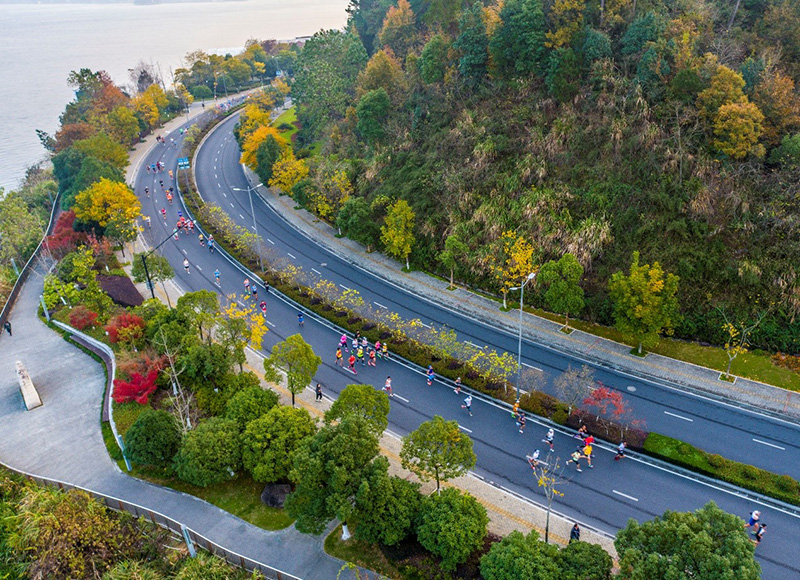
<point x="41" y="44"/>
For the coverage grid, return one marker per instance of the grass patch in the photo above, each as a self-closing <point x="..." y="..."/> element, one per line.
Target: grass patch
<point x="111" y="444"/>
<point x="780" y="487"/>
<point x="240" y="496"/>
<point x="362" y="554"/>
<point x="288" y="117"/>
<point x="125" y="414"/>
<point x="727" y="378"/>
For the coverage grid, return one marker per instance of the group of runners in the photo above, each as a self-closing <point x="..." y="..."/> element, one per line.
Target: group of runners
<point x="362" y="353"/>
<point x="583" y="451"/>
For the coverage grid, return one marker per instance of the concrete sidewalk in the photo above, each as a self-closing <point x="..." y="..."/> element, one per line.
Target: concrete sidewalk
<point x="593" y="349"/>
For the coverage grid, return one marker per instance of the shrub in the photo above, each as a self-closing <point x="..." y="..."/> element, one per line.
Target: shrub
<point x="635" y="438"/>
<point x="249" y="404"/>
<point x="125" y="328"/>
<point x="153" y="439"/>
<point x="210" y="453"/>
<point x="81" y="317"/>
<point x="137" y="389"/>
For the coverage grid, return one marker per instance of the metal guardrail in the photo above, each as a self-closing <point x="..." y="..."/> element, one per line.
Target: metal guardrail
<point x="26" y="269"/>
<point x="166" y="522"/>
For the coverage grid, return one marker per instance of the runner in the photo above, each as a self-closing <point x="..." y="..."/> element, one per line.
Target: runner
<point x="760" y="528"/>
<point x="430" y="375"/>
<point x="371" y="360"/>
<point x="186" y="264"/>
<point x="549" y="438"/>
<point x="582" y="433"/>
<point x="211" y="243"/>
<point x="533" y="460"/>
<point x="169" y="198"/>
<point x="360" y="355"/>
<point x="621" y="451"/>
<point x="164" y="213"/>
<point x="170" y="174"/>
<point x="146" y="220"/>
<point x="351" y="364"/>
<point x="343" y="343"/>
<point x="319" y="393"/>
<point x="339" y="360"/>
<point x="515" y="410"/>
<point x="254" y="290"/>
<point x="247" y="286"/>
<point x="355" y="343"/>
<point x="202" y="239"/>
<point x="385" y="350"/>
<point x="576" y="459"/>
<point x="521" y="422"/>
<point x="300" y="320"/>
<point x="587" y="451"/>
<point x="364" y="343"/>
<point x="457" y="390"/>
<point x="147" y="191"/>
<point x="753" y="521"/>
<point x="263" y="307"/>
<point x="378" y="348"/>
<point x="387" y="386"/>
<point x="468" y="404"/>
<point x="216" y="277"/>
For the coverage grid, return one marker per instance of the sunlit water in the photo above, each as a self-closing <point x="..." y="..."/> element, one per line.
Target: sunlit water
<point x="41" y="44"/>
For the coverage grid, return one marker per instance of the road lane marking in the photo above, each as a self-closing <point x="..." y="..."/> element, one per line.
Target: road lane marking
<point x="272" y="324"/>
<point x="532" y="367"/>
<point x="425" y="325"/>
<point x="215" y="176"/>
<point x="464" y="428"/>
<point x="198" y="267"/>
<point x="379" y="305"/>
<point x="624" y="495"/>
<point x="184" y="251"/>
<point x="223" y="193"/>
<point x="473" y="344"/>
<point x="401" y="398"/>
<point x="270" y="241"/>
<point x="231" y="204"/>
<point x="241" y="216"/>
<point x="770" y="444"/>
<point x="316" y="271"/>
<point x="292" y="256"/>
<point x="343" y="286"/>
<point x="679" y="416"/>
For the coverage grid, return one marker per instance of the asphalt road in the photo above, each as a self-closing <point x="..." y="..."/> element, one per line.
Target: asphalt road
<point x="604" y="497"/>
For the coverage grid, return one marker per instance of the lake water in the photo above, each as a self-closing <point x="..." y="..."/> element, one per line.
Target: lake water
<point x="41" y="44"/>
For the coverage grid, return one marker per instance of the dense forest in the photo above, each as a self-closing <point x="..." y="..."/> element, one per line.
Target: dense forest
<point x="596" y="128"/>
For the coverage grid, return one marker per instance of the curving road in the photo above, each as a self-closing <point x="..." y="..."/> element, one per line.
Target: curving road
<point x="603" y="497"/>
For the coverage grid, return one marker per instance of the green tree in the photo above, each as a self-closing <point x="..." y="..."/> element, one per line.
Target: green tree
<point x="437" y="450"/>
<point x="367" y="17"/>
<point x="387" y="507"/>
<point x="645" y="302"/>
<point x="356" y="222"/>
<point x="373" y="110"/>
<point x="268" y="152"/>
<point x="250" y="403"/>
<point x="296" y="358"/>
<point x="153" y="439"/>
<point x="328" y="471"/>
<point x="20" y="229"/>
<point x="398" y="233"/>
<point x="433" y="60"/>
<point x="517" y="45"/>
<point x="102" y="147"/>
<point x="361" y="401"/>
<point x="519" y="556"/>
<point x="455" y="252"/>
<point x="706" y="544"/>
<point x="200" y="310"/>
<point x="123" y="126"/>
<point x="451" y="525"/>
<point x="562" y="280"/>
<point x="158" y="267"/>
<point x="269" y="442"/>
<point x="584" y="561"/>
<point x="563" y="74"/>
<point x="210" y="453"/>
<point x="473" y="44"/>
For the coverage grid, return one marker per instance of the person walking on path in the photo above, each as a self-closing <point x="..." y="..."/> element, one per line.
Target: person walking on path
<point x="575" y="533"/>
<point x="759" y="533"/>
<point x="576" y="459"/>
<point x="387" y="386"/>
<point x="319" y="393"/>
<point x="620" y="451"/>
<point x="533" y="460"/>
<point x="549" y="438"/>
<point x="468" y="405"/>
<point x="7" y="326"/>
<point x="753" y="521"/>
<point x="186" y="264"/>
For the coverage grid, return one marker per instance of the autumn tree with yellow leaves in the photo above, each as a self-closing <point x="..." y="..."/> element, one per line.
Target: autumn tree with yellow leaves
<point x="109" y="203"/>
<point x="240" y="326"/>
<point x="288" y="171"/>
<point x="398" y="233"/>
<point x="513" y="262"/>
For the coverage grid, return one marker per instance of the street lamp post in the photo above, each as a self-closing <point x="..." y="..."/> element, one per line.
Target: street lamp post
<point x="255" y="225"/>
<point x="144" y="263"/>
<point x="521" y="289"/>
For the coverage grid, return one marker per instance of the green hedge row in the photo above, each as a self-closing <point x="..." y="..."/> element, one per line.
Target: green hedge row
<point x="677" y="452"/>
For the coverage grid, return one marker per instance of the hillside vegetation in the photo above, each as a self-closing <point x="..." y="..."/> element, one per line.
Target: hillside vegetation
<point x="594" y="128"/>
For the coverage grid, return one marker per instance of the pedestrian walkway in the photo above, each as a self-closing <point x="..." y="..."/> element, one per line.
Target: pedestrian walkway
<point x="596" y="350"/>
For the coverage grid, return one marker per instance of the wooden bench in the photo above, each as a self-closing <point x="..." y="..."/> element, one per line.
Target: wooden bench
<point x="29" y="394"/>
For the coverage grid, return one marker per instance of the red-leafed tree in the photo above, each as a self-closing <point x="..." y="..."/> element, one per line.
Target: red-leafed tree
<point x="137" y="389"/>
<point x="64" y="238"/>
<point x="125" y="328"/>
<point x="610" y="407"/>
<point x="81" y="317"/>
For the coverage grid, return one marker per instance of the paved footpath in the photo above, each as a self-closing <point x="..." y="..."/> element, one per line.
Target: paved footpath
<point x="62" y="440"/>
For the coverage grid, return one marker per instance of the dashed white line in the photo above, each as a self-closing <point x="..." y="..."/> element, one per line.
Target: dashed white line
<point x="473" y="344"/>
<point x="679" y="416"/>
<point x="184" y="251"/>
<point x="215" y="175"/>
<point x="272" y="324"/>
<point x="241" y="216"/>
<point x="215" y="160"/>
<point x="270" y="241"/>
<point x="343" y="286"/>
<point x="198" y="267"/>
<point x="770" y="444"/>
<point x="316" y="271"/>
<point x="630" y="497"/>
<point x="379" y="305"/>
<point x="231" y="204"/>
<point x="532" y="367"/>
<point x="292" y="256"/>
<point x="425" y="325"/>
<point x="401" y="398"/>
<point x="224" y="194"/>
<point x="464" y="428"/>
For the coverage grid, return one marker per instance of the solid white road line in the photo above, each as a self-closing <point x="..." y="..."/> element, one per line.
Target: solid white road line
<point x="401" y="398"/>
<point x="679" y="416"/>
<point x="464" y="428"/>
<point x="769" y="444"/>
<point x="343" y="286"/>
<point x="291" y="256"/>
<point x="316" y="271"/>
<point x="379" y="305"/>
<point x="423" y="324"/>
<point x="532" y="367"/>
<point x="624" y="495"/>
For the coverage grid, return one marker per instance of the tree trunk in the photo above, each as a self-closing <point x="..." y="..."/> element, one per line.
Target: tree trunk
<point x="505" y="294"/>
<point x="164" y="287"/>
<point x="293" y="400"/>
<point x="640" y="348"/>
<point x="345" y="532"/>
<point x="567" y="319"/>
<point x="733" y="16"/>
<point x="451" y="277"/>
<point x="728" y="372"/>
<point x="408" y="266"/>
<point x="633" y="12"/>
<point x="602" y="10"/>
<point x="547" y="525"/>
